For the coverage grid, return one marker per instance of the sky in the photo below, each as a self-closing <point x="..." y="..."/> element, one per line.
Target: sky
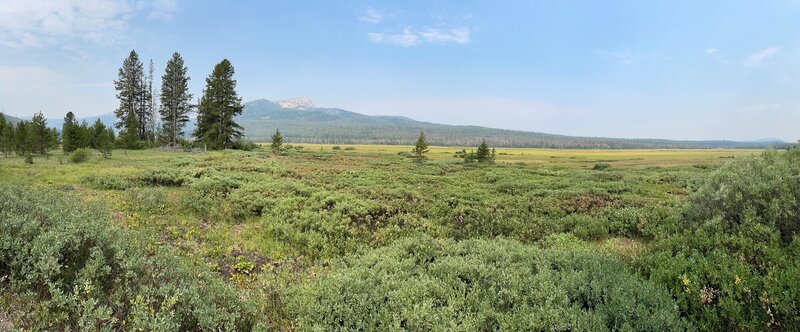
<point x="669" y="69"/>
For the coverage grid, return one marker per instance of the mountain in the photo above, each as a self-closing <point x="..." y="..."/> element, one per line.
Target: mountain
<point x="108" y="119"/>
<point x="301" y="121"/>
<point x="11" y="118"/>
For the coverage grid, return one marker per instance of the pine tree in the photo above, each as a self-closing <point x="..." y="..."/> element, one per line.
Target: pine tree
<point x="7" y="136"/>
<point x="175" y="99"/>
<point x="218" y="107"/>
<point x="277" y="142"/>
<point x="420" y="149"/>
<point x="150" y="105"/>
<point x="38" y="134"/>
<point x="128" y="136"/>
<point x="3" y="138"/>
<point x="483" y="154"/>
<point x="70" y="133"/>
<point x="21" y="146"/>
<point x="102" y="138"/>
<point x="132" y="94"/>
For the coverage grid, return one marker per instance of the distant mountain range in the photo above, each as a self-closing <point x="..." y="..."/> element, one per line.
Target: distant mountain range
<point x="301" y="121"/>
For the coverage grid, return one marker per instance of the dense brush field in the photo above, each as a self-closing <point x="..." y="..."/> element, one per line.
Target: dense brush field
<point x="361" y="238"/>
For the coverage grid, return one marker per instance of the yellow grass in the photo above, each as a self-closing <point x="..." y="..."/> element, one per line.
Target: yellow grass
<point x="566" y="157"/>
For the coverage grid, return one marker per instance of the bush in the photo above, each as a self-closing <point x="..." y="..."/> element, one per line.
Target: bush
<point x="70" y="269"/>
<point x="244" y="145"/>
<point x="336" y="147"/>
<point x="481" y="285"/>
<point x="765" y="189"/>
<point x="601" y="166"/>
<point x="107" y="182"/>
<point x="80" y="155"/>
<point x="733" y="263"/>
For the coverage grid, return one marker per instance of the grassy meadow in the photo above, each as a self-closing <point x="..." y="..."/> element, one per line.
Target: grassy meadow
<point x="359" y="237"/>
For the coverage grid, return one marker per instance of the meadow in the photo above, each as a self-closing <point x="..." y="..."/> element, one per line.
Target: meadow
<point x="358" y="237"/>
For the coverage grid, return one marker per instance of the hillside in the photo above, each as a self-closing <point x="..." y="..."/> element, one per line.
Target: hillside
<point x="301" y="121"/>
<point x="11" y="118"/>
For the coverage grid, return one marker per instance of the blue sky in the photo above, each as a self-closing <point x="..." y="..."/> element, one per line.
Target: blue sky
<point x="670" y="69"/>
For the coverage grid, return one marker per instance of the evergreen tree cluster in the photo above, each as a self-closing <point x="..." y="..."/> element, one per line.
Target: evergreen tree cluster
<point x="27" y="137"/>
<point x="482" y="155"/>
<point x="78" y="136"/>
<point x="136" y="114"/>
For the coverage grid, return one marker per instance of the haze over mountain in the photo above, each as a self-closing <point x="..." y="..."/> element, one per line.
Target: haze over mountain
<point x="301" y="121"/>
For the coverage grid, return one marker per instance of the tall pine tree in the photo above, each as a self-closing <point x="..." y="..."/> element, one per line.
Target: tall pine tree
<point x="132" y="94"/>
<point x="150" y="104"/>
<point x="70" y="133"/>
<point x="218" y="107"/>
<point x="175" y="99"/>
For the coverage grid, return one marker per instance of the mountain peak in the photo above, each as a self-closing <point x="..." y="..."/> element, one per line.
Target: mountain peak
<point x="296" y="102"/>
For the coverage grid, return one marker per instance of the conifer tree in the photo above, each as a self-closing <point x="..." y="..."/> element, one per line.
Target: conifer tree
<point x="175" y="99"/>
<point x="483" y="154"/>
<point x="7" y="136"/>
<point x="150" y="105"/>
<point x="3" y="138"/>
<point x="21" y="146"/>
<point x="70" y="133"/>
<point x="420" y="149"/>
<point x="132" y="94"/>
<point x="38" y="136"/>
<point x="218" y="107"/>
<point x="128" y="136"/>
<point x="102" y="138"/>
<point x="277" y="142"/>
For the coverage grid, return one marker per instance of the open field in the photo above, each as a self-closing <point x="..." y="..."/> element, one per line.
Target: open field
<point x="575" y="158"/>
<point x="296" y="235"/>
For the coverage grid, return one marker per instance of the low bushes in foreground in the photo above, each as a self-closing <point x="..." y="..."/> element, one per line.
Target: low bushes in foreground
<point x="422" y="284"/>
<point x="68" y="268"/>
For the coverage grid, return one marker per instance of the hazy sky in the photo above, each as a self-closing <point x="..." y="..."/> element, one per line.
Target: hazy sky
<point x="676" y="69"/>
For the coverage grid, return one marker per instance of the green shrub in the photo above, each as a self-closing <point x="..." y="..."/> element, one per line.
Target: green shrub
<point x="80" y="155"/>
<point x="764" y="188"/>
<point x="601" y="166"/>
<point x="107" y="182"/>
<point x="167" y="176"/>
<point x="336" y="147"/>
<point x="479" y="285"/>
<point x="70" y="269"/>
<point x="733" y="263"/>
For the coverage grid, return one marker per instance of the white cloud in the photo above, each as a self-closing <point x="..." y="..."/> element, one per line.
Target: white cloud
<point x="626" y="57"/>
<point x="372" y="15"/>
<point x="714" y="53"/>
<point x="409" y="37"/>
<point x="759" y="57"/>
<point x="163" y="10"/>
<point x="405" y="39"/>
<point x="36" y="23"/>
<point x="459" y="35"/>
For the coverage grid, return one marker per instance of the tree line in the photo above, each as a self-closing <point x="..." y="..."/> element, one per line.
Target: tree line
<point x="136" y="114"/>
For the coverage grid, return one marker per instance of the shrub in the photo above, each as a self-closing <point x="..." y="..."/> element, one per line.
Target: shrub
<point x="80" y="155"/>
<point x="70" y="269"/>
<point x="29" y="159"/>
<point x="729" y="264"/>
<point x="763" y="188"/>
<point x="336" y="147"/>
<point x="107" y="182"/>
<point x="481" y="285"/>
<point x="601" y="166"/>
